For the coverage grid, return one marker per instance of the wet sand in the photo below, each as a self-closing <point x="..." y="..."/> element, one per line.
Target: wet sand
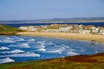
<point x="78" y="36"/>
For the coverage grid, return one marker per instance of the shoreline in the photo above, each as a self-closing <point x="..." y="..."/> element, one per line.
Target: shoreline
<point x="76" y="36"/>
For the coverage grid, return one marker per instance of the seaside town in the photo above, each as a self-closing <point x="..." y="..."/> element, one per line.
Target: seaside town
<point x="74" y="28"/>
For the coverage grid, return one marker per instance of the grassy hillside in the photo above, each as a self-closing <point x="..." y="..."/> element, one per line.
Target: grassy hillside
<point x="74" y="62"/>
<point x="4" y="29"/>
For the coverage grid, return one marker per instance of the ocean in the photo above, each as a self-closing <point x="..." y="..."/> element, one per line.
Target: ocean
<point x="28" y="48"/>
<point x="39" y="24"/>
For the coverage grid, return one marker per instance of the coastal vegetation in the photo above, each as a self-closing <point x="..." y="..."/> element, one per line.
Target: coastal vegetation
<point x="7" y="30"/>
<point x="72" y="62"/>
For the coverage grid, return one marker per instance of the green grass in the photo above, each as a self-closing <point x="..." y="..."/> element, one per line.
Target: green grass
<point x="4" y="29"/>
<point x="75" y="62"/>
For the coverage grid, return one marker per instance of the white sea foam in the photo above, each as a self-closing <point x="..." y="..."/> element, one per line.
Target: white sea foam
<point x="7" y="41"/>
<point x="55" y="51"/>
<point x="18" y="39"/>
<point x="6" y="60"/>
<point x="49" y="43"/>
<point x="27" y="54"/>
<point x="41" y="47"/>
<point x="25" y="45"/>
<point x="11" y="40"/>
<point x="4" y="48"/>
<point x="14" y="51"/>
<point x="71" y="53"/>
<point x="31" y="40"/>
<point x="17" y="51"/>
<point x="15" y="38"/>
<point x="65" y="46"/>
<point x="22" y="45"/>
<point x="41" y="42"/>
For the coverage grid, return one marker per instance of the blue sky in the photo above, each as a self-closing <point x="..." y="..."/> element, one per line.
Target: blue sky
<point x="47" y="9"/>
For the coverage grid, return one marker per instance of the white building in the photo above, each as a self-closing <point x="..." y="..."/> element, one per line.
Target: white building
<point x="23" y="28"/>
<point x="65" y="29"/>
<point x="80" y="26"/>
<point x="102" y="31"/>
<point x="27" y="28"/>
<point x="95" y="30"/>
<point x="52" y="30"/>
<point x="31" y="28"/>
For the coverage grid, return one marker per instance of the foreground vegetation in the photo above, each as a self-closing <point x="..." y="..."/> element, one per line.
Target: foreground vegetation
<point x="74" y="62"/>
<point x="7" y="30"/>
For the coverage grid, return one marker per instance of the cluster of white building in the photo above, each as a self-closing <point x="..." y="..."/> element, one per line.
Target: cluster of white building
<point x="64" y="28"/>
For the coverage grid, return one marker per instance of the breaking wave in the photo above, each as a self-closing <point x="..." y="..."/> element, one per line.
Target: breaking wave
<point x="57" y="49"/>
<point x="41" y="47"/>
<point x="18" y="39"/>
<point x="31" y="40"/>
<point x="14" y="51"/>
<point x="49" y="43"/>
<point x="4" y="48"/>
<point x="25" y="45"/>
<point x="26" y="54"/>
<point x="71" y="53"/>
<point x="6" y="60"/>
<point x="41" y="42"/>
<point x="7" y="41"/>
<point x="21" y="45"/>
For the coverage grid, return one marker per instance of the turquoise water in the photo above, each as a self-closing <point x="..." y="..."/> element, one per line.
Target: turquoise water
<point x="27" y="48"/>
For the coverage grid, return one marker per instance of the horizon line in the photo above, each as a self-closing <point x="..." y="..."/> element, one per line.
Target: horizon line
<point x="48" y="18"/>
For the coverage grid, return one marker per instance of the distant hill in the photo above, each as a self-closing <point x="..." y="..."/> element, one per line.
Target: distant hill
<point x="5" y="30"/>
<point x="56" y="20"/>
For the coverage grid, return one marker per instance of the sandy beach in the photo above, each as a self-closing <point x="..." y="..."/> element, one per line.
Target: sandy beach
<point x="78" y="36"/>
